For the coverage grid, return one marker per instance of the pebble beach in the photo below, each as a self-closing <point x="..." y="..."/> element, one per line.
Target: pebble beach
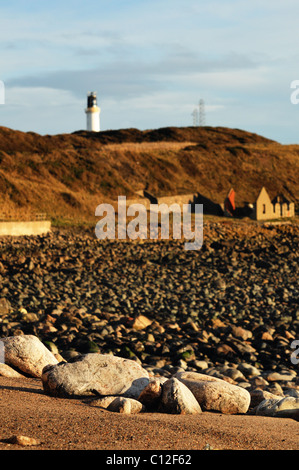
<point x="229" y="310"/>
<point x="234" y="300"/>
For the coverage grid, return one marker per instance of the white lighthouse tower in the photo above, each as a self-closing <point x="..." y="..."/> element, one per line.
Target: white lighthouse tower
<point x="92" y="113"/>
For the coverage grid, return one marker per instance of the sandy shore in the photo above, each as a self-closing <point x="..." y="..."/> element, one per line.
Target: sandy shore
<point x="65" y="424"/>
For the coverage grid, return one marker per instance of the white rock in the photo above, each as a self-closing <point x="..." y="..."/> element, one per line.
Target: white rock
<point x="178" y="399"/>
<point x="7" y="371"/>
<point x="277" y="406"/>
<point x="216" y="394"/>
<point x="27" y="354"/>
<point x="23" y="440"/>
<point x="287" y="403"/>
<point x="119" y="404"/>
<point x="257" y="396"/>
<point x="94" y="373"/>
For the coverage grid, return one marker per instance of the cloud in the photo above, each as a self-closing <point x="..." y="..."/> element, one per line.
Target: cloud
<point x="130" y="78"/>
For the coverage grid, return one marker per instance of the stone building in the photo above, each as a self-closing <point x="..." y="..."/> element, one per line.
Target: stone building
<point x="283" y="207"/>
<point x="264" y="208"/>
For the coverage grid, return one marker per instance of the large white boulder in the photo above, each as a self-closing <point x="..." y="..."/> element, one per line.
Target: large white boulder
<point x="101" y="374"/>
<point x="215" y="394"/>
<point x="178" y="399"/>
<point x="27" y="354"/>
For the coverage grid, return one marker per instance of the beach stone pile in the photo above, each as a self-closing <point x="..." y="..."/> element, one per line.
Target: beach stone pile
<point x="228" y="311"/>
<point x="122" y="385"/>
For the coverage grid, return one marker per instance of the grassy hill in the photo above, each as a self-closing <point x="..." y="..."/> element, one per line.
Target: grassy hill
<point x="68" y="175"/>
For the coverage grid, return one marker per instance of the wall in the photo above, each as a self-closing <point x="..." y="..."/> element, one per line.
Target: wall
<point x="38" y="227"/>
<point x="177" y="199"/>
<point x="272" y="210"/>
<point x="263" y="208"/>
<point x="288" y="210"/>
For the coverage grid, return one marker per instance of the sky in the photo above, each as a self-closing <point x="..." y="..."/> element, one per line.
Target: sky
<point x="150" y="62"/>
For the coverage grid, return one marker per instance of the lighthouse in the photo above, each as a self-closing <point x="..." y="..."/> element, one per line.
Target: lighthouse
<point x="92" y="113"/>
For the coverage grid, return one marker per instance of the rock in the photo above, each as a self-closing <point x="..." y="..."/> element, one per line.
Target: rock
<point x="233" y="373"/>
<point x="217" y="323"/>
<point x="94" y="373"/>
<point x="287" y="403"/>
<point x="7" y="371"/>
<point x="292" y="414"/>
<point x="240" y="332"/>
<point x="259" y="381"/>
<point x="151" y="394"/>
<point x="291" y="392"/>
<point x="30" y="318"/>
<point x="225" y="350"/>
<point x="257" y="396"/>
<point x="208" y="447"/>
<point x="4" y="306"/>
<point x="119" y="404"/>
<point x="182" y="364"/>
<point x="51" y="346"/>
<point x="23" y="440"/>
<point x="141" y="322"/>
<point x="244" y="385"/>
<point x="216" y="394"/>
<point x="277" y="407"/>
<point x="276" y="377"/>
<point x="266" y="336"/>
<point x="157" y="327"/>
<point x="27" y="354"/>
<point x="178" y="399"/>
<point x="151" y="338"/>
<point x="69" y="355"/>
<point x="201" y="365"/>
<point x="248" y="370"/>
<point x="59" y="358"/>
<point x="275" y="388"/>
<point x="241" y="347"/>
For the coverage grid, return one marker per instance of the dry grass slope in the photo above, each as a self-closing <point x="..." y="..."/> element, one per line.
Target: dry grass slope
<point x="68" y="175"/>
